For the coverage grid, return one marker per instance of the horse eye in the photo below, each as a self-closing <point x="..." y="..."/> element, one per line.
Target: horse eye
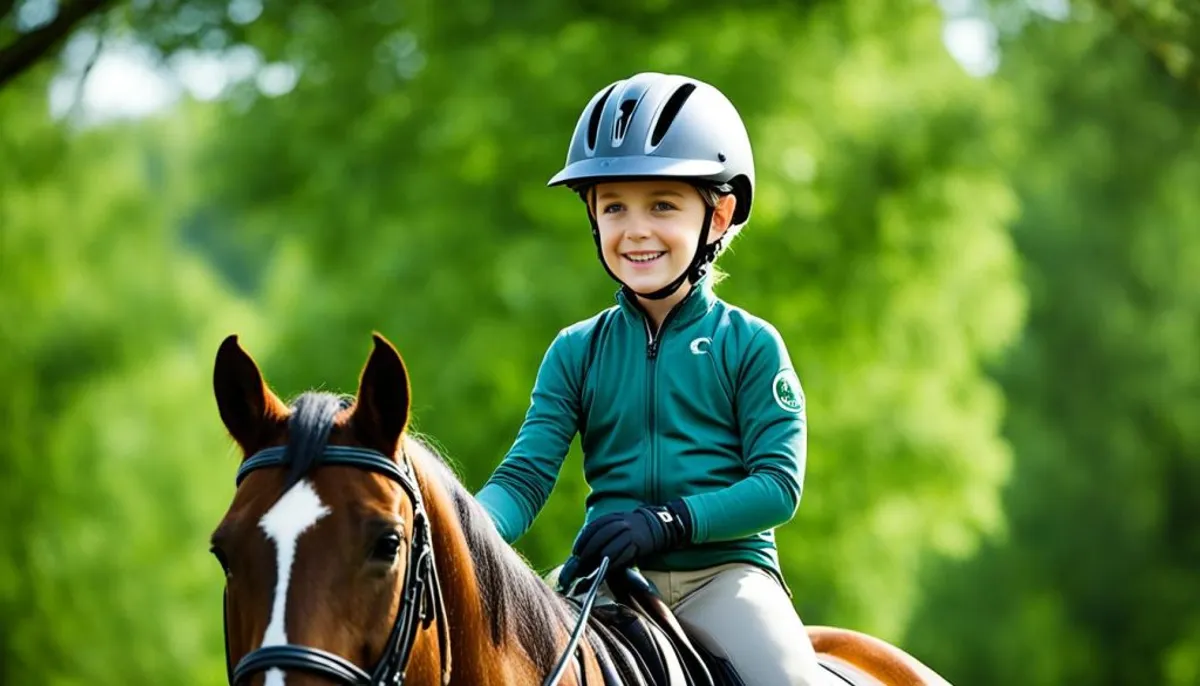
<point x="386" y="547"/>
<point x="220" y="555"/>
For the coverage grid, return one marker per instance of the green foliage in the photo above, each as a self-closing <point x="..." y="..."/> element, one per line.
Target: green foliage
<point x="1096" y="583"/>
<point x="114" y="464"/>
<point x="978" y="279"/>
<point x="1165" y="29"/>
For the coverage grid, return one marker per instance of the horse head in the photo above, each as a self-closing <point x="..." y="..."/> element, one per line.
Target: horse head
<point x="326" y="546"/>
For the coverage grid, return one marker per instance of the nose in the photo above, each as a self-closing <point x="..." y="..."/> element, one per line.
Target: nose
<point x="638" y="228"/>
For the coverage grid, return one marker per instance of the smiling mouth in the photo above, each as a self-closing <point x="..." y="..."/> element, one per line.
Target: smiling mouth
<point x="644" y="257"/>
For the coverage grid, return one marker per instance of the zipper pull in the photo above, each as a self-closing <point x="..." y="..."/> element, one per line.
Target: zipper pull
<point x="652" y="349"/>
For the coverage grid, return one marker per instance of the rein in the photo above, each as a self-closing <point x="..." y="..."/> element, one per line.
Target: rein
<point x="585" y="610"/>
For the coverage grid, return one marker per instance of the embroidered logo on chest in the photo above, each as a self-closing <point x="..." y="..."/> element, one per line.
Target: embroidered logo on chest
<point x="787" y="391"/>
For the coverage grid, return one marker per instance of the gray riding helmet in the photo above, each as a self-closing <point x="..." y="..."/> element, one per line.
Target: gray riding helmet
<point x="654" y="125"/>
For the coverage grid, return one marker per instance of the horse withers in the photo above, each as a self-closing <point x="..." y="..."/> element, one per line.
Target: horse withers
<point x="353" y="554"/>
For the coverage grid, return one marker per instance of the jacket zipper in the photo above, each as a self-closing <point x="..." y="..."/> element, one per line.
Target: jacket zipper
<point x="651" y="418"/>
<point x="652" y="344"/>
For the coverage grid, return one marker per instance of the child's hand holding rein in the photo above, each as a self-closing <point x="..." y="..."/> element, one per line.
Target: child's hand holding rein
<point x="626" y="537"/>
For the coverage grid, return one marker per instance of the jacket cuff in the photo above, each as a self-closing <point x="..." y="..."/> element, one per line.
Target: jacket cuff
<point x="684" y="517"/>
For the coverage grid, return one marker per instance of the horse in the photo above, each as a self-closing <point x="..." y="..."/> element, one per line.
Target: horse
<point x="353" y="554"/>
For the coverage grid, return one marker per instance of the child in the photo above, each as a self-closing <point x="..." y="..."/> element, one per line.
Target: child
<point x="691" y="417"/>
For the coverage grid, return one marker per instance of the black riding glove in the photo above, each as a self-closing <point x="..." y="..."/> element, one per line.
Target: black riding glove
<point x="626" y="537"/>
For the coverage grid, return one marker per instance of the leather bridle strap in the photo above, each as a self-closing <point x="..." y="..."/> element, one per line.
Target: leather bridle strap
<point x="339" y="455"/>
<point x="313" y="660"/>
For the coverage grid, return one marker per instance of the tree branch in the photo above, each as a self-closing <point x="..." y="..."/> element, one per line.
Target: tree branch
<point x="6" y="7"/>
<point x="28" y="48"/>
<point x="1159" y="38"/>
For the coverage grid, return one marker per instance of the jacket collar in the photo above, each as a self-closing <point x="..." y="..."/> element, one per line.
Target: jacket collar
<point x="697" y="303"/>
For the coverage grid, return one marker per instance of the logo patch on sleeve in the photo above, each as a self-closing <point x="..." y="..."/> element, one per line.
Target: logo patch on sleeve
<point x="788" y="393"/>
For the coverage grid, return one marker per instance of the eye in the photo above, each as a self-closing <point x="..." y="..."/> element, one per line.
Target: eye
<point x="386" y="547"/>
<point x="221" y="558"/>
<point x="663" y="206"/>
<point x="613" y="208"/>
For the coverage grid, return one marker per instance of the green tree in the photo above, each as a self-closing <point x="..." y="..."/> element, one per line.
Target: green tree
<point x="1096" y="581"/>
<point x="114" y="465"/>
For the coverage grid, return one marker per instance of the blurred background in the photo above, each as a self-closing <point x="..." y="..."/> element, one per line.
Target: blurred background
<point x="978" y="229"/>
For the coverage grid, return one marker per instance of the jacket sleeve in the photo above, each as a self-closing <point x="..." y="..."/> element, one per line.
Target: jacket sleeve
<point x="519" y="487"/>
<point x="772" y="418"/>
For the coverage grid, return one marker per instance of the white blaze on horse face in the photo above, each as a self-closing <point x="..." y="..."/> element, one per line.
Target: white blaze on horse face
<point x="296" y="512"/>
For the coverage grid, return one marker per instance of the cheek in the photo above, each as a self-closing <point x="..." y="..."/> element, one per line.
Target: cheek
<point x="610" y="238"/>
<point x="380" y="602"/>
<point x="680" y="238"/>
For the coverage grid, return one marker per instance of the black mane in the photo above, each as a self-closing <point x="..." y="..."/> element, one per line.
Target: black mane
<point x="308" y="431"/>
<point x="514" y="598"/>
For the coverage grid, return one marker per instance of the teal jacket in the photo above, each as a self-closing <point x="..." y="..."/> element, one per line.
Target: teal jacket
<point x="710" y="411"/>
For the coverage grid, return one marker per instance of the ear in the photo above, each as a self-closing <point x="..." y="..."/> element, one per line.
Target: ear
<point x="381" y="412"/>
<point x="250" y="411"/>
<point x="722" y="217"/>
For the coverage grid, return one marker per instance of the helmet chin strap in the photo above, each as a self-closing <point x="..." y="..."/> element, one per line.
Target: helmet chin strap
<point x="705" y="253"/>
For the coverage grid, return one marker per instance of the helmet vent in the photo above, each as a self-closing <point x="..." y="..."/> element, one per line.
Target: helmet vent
<point x="621" y="125"/>
<point x="594" y="120"/>
<point x="669" y="111"/>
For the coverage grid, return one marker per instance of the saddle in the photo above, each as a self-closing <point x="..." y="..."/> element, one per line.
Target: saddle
<point x="642" y="643"/>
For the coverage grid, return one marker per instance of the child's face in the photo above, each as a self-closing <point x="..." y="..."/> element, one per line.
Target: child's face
<point x="649" y="229"/>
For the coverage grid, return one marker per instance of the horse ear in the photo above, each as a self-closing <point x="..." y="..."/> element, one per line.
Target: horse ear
<point x="381" y="412"/>
<point x="248" y="408"/>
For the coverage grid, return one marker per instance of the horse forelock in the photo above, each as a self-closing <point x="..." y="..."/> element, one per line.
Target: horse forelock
<point x="313" y="417"/>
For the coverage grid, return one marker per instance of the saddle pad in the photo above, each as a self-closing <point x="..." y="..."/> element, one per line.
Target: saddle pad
<point x="618" y="660"/>
<point x="652" y="648"/>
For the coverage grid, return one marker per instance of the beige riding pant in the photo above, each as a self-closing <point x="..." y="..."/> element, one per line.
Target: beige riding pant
<point x="741" y="614"/>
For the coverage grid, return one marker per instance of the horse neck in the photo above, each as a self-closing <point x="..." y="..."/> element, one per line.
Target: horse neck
<point x="474" y="658"/>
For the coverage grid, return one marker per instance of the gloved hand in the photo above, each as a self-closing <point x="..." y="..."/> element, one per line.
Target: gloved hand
<point x="626" y="537"/>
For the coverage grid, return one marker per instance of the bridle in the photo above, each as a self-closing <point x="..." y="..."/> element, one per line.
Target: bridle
<point x="420" y="606"/>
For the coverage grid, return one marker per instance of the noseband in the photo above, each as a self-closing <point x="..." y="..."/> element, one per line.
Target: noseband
<point x="420" y="606"/>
